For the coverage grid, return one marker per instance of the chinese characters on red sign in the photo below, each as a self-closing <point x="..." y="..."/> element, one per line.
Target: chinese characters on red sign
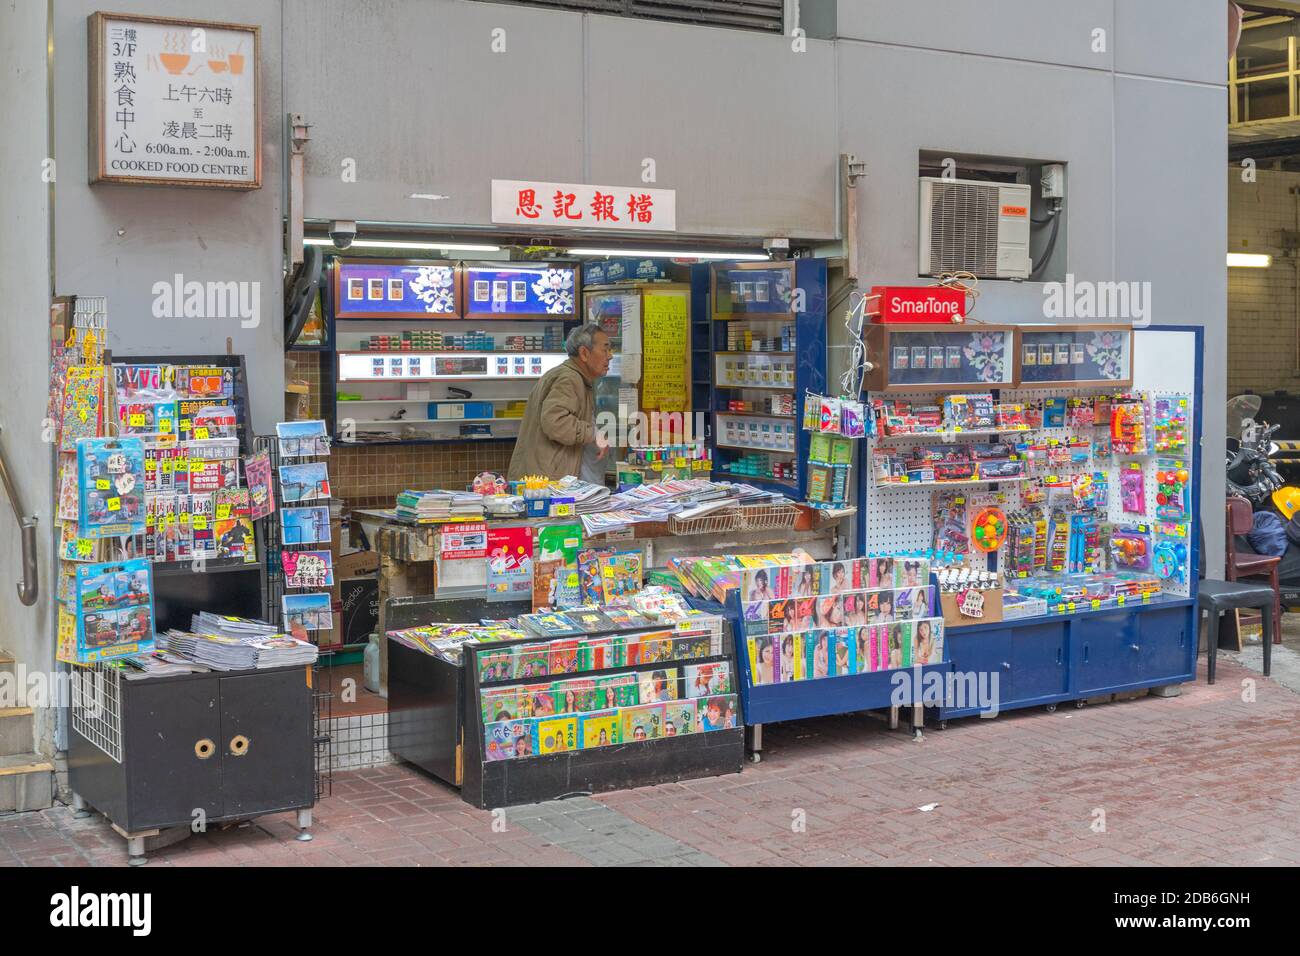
<point x="572" y="204"/>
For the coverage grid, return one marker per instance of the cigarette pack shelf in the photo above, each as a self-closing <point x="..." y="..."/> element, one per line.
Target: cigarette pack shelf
<point x="1093" y="526"/>
<point x="587" y="700"/>
<point x="768" y="349"/>
<point x="431" y="351"/>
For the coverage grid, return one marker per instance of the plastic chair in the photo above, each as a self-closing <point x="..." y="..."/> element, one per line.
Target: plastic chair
<point x="1239" y="565"/>
<point x="1215" y="597"/>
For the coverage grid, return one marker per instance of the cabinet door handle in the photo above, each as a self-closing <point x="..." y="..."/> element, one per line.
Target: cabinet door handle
<point x="238" y="745"/>
<point x="1006" y="665"/>
<point x="205" y="748"/>
<point x="1058" y="657"/>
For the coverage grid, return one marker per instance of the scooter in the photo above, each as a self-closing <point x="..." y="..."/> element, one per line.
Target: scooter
<point x="1251" y="474"/>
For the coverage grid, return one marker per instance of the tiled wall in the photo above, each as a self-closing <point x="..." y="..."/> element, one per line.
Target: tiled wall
<point x="371" y="477"/>
<point x="1263" y="304"/>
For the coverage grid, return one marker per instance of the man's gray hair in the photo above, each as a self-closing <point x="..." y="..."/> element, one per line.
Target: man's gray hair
<point x="584" y="336"/>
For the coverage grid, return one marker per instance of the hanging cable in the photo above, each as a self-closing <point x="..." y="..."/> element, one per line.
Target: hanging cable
<point x="965" y="282"/>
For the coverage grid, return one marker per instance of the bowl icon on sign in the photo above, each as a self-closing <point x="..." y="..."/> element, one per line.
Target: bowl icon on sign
<point x="174" y="62"/>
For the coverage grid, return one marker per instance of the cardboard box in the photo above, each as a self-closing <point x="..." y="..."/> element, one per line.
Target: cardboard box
<point x="355" y="577"/>
<point x="952" y="617"/>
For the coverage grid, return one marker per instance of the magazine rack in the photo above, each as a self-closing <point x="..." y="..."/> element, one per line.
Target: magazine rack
<point x="221" y="585"/>
<point x="819" y="697"/>
<point x="510" y="782"/>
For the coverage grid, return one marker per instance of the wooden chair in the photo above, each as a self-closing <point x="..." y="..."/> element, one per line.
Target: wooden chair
<point x="1240" y="566"/>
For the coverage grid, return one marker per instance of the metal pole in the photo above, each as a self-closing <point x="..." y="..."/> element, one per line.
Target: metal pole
<point x="29" y="586"/>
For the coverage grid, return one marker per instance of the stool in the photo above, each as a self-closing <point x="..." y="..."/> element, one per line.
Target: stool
<point x="1215" y="597"/>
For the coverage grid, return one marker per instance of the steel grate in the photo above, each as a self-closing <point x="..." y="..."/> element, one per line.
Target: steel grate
<point x="97" y="707"/>
<point x="964" y="228"/>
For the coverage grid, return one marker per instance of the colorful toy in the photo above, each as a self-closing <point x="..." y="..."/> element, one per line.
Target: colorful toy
<point x="1170" y="560"/>
<point x="1128" y="435"/>
<point x="1132" y="488"/>
<point x="1130" y="548"/>
<point x="989" y="529"/>
<point x="1169" y="422"/>
<point x="1171" y="489"/>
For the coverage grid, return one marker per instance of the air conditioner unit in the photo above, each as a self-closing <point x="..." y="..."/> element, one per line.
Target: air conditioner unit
<point x="973" y="226"/>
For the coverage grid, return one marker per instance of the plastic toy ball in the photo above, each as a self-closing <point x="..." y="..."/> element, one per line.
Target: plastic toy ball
<point x="1182" y="475"/>
<point x="989" y="529"/>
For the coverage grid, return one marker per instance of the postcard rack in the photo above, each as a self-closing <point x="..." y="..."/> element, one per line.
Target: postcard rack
<point x="322" y="683"/>
<point x="491" y="783"/>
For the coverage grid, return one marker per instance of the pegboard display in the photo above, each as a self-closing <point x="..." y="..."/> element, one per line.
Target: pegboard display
<point x="901" y="517"/>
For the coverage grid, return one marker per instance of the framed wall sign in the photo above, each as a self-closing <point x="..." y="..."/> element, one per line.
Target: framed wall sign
<point x="174" y="102"/>
<point x="396" y="289"/>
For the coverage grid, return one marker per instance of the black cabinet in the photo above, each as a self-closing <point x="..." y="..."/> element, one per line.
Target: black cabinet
<point x="164" y="752"/>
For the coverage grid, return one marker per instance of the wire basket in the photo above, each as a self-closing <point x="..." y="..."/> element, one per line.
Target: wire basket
<point x="752" y="518"/>
<point x="768" y="517"/>
<point x="716" y="523"/>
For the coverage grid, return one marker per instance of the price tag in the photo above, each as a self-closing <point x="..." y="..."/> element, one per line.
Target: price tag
<point x="201" y="433"/>
<point x="150" y="464"/>
<point x="679" y="462"/>
<point x="199" y="523"/>
<point x="563" y="511"/>
<point x="84" y="547"/>
<point x="114" y="504"/>
<point x="165" y="426"/>
<point x="137" y="420"/>
<point x="223" y="512"/>
<point x="167" y="466"/>
<point x="185" y="424"/>
<point x="101" y="484"/>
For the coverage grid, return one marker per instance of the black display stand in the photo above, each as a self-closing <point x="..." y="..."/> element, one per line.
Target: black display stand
<point x="503" y="783"/>
<point x="183" y="753"/>
<point x="425" y="693"/>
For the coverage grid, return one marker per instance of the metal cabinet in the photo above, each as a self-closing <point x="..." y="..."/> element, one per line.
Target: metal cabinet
<point x="165" y="752"/>
<point x="1050" y="660"/>
<point x="1126" y="650"/>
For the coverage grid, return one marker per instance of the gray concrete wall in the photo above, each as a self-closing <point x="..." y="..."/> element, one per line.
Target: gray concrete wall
<point x="27" y="632"/>
<point x="740" y="125"/>
<point x="1141" y="125"/>
<point x="118" y="240"/>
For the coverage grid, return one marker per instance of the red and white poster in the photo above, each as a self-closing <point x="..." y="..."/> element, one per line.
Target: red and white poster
<point x="464" y="541"/>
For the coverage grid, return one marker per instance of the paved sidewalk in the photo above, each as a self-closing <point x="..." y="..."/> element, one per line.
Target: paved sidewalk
<point x="1204" y="778"/>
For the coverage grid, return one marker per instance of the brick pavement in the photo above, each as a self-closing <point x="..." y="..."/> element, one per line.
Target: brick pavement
<point x="1204" y="778"/>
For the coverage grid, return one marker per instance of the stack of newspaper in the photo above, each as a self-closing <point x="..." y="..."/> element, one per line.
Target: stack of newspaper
<point x="587" y="497"/>
<point x="236" y="643"/>
<point x="224" y="653"/>
<point x="428" y="507"/>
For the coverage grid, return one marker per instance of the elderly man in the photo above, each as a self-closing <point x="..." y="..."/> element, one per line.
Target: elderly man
<point x="559" y="423"/>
